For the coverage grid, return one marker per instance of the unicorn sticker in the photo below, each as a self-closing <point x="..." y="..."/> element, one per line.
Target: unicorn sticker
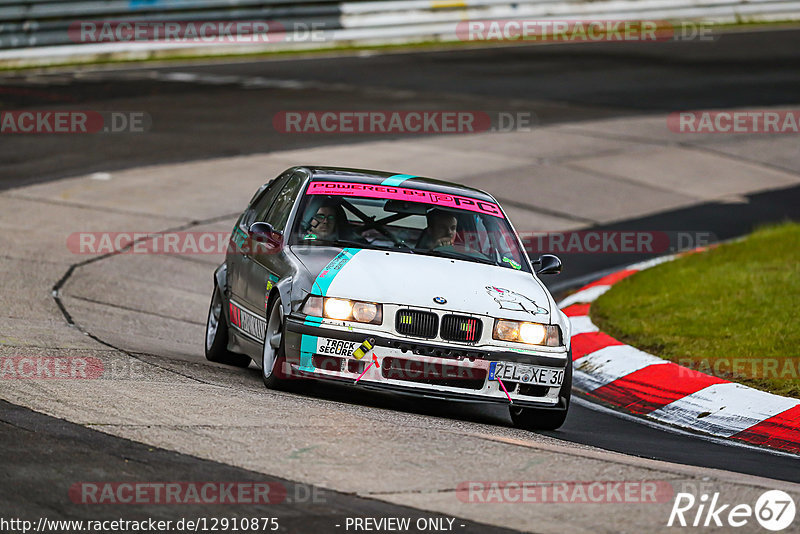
<point x="511" y="300"/>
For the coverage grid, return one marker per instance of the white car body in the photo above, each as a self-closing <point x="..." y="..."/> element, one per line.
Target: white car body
<point x="473" y="289"/>
<point x="442" y="303"/>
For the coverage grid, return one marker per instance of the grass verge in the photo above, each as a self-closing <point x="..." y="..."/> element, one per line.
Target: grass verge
<point x="730" y="312"/>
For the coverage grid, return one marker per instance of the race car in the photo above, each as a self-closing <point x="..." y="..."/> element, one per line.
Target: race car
<point x="395" y="282"/>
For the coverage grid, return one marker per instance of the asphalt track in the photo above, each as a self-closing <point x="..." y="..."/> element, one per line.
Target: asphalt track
<point x="208" y="116"/>
<point x="49" y="453"/>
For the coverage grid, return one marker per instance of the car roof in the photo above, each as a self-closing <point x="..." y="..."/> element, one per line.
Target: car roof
<point x="364" y="176"/>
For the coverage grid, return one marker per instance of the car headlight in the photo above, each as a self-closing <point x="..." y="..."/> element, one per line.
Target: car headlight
<point x="365" y="312"/>
<point x="344" y="309"/>
<point x="530" y="333"/>
<point x="338" y="309"/>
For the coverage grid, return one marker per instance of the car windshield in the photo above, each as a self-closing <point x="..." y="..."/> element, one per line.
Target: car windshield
<point x="407" y="220"/>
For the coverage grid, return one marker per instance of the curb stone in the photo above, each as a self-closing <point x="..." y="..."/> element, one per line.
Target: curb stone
<point x="646" y="385"/>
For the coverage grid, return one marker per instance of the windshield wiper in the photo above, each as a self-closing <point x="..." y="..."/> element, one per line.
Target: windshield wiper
<point x="347" y="242"/>
<point x="400" y="244"/>
<point x="363" y="244"/>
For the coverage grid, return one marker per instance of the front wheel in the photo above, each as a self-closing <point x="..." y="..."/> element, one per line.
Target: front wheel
<point x="217" y="335"/>
<point x="273" y="354"/>
<point x="537" y="419"/>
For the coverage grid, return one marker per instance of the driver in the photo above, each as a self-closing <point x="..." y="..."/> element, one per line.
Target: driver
<point x="328" y="223"/>
<point x="324" y="223"/>
<point x="441" y="230"/>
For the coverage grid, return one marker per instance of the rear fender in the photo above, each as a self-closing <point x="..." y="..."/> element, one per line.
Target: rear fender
<point x="221" y="280"/>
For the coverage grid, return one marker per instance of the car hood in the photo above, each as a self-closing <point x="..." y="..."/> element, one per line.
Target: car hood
<point x="415" y="280"/>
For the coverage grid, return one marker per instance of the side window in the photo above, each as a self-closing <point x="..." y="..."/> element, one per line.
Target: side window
<point x="259" y="208"/>
<point x="279" y="213"/>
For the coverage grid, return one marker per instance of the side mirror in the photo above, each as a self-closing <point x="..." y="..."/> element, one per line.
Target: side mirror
<point x="548" y="264"/>
<point x="264" y="238"/>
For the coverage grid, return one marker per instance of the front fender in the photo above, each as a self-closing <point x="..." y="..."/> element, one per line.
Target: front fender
<point x="283" y="289"/>
<point x="221" y="277"/>
<point x="566" y="328"/>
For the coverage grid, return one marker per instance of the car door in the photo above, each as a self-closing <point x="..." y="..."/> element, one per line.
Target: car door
<point x="239" y="258"/>
<point x="265" y="269"/>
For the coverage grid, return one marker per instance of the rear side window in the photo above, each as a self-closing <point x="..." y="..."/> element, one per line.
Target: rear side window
<point x="279" y="212"/>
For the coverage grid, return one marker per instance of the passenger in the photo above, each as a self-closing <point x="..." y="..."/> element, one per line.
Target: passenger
<point x="441" y="230"/>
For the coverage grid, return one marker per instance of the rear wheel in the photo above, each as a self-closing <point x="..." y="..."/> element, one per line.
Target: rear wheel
<point x="217" y="335"/>
<point x="273" y="354"/>
<point x="538" y="419"/>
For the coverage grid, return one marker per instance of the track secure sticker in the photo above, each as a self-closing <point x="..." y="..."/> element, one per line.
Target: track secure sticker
<point x="335" y="347"/>
<point x="511" y="262"/>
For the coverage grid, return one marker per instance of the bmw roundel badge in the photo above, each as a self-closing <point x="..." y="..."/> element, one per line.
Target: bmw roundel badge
<point x="440" y="300"/>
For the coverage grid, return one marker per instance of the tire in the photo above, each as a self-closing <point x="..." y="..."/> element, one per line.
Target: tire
<point x="537" y="419"/>
<point x="217" y="335"/>
<point x="273" y="352"/>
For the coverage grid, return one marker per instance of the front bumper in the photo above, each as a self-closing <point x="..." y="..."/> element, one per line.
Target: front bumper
<point x="415" y="367"/>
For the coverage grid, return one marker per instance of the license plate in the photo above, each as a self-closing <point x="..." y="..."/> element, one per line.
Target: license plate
<point x="336" y="347"/>
<point x="526" y="374"/>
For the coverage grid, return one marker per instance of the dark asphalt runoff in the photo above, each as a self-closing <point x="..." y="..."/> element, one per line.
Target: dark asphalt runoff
<point x="224" y="112"/>
<point x="212" y="116"/>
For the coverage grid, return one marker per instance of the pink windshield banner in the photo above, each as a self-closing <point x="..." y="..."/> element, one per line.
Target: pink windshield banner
<point x="401" y="193"/>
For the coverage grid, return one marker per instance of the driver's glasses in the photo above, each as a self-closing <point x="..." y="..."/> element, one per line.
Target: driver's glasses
<point x="322" y="218"/>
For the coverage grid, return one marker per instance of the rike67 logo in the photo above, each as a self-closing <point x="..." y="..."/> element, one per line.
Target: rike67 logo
<point x="774" y="510"/>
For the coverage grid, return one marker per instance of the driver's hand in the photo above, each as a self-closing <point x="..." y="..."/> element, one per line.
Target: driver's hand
<point x="444" y="242"/>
